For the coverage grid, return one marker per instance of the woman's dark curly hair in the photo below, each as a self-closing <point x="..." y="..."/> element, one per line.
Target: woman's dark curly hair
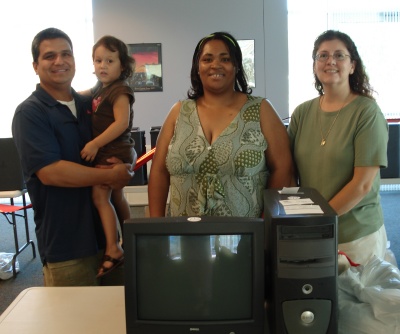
<point x="359" y="81"/>
<point x="114" y="44"/>
<point x="196" y="90"/>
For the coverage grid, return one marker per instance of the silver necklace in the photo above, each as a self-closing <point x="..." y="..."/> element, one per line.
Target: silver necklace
<point x="323" y="139"/>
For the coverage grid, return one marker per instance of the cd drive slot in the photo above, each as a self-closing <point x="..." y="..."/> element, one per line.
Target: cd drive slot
<point x="306" y="262"/>
<point x="305" y="232"/>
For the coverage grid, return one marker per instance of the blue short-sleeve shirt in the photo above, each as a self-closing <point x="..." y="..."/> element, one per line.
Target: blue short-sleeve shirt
<point x="46" y="131"/>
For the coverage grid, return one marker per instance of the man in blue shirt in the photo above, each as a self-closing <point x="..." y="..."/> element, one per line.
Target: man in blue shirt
<point x="50" y="128"/>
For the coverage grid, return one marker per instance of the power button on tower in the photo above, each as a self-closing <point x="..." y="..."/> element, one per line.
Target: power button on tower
<point x="307" y="317"/>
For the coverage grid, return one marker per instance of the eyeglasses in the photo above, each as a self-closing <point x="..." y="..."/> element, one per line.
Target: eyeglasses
<point x="324" y="56"/>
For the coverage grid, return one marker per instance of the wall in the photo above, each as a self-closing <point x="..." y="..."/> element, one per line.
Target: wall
<point x="179" y="24"/>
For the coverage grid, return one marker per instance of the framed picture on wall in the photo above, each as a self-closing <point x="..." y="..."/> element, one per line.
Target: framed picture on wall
<point x="247" y="48"/>
<point x="148" y="70"/>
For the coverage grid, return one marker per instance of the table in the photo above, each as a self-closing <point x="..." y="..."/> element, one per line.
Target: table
<point x="138" y="201"/>
<point x="66" y="310"/>
<point x="136" y="195"/>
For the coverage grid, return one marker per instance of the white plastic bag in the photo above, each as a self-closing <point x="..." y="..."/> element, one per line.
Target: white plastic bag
<point x="6" y="270"/>
<point x="369" y="299"/>
<point x="389" y="256"/>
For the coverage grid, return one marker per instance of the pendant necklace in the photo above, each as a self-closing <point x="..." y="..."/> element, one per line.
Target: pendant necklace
<point x="323" y="140"/>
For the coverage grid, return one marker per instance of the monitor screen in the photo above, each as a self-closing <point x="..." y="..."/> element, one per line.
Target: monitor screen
<point x="190" y="274"/>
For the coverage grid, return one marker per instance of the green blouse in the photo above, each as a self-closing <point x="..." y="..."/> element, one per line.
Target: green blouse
<point x="226" y="178"/>
<point x="358" y="138"/>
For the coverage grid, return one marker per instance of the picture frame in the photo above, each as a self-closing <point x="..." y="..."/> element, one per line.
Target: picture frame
<point x="148" y="69"/>
<point x="247" y="48"/>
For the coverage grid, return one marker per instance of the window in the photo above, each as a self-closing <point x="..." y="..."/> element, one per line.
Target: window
<point x="374" y="26"/>
<point x="27" y="19"/>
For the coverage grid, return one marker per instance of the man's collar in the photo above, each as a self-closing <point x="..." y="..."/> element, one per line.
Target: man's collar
<point x="44" y="96"/>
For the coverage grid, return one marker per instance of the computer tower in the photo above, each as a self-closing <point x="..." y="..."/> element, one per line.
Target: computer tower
<point x="301" y="267"/>
<point x="140" y="177"/>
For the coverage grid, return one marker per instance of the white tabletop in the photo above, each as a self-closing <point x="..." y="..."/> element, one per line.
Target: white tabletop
<point x="136" y="195"/>
<point x="66" y="310"/>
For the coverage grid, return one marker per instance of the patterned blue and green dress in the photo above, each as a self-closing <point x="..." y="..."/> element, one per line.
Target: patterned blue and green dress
<point x="225" y="178"/>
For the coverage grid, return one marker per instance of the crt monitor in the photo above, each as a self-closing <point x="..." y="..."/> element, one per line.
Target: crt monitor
<point x="194" y="275"/>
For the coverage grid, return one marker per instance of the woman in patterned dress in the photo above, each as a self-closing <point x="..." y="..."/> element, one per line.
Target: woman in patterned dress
<point x="220" y="148"/>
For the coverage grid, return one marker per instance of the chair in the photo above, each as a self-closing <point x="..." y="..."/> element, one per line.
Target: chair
<point x="12" y="186"/>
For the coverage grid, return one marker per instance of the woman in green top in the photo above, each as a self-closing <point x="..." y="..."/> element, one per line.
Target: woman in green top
<point x="339" y="143"/>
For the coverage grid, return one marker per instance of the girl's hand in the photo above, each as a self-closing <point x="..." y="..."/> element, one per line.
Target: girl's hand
<point x="89" y="151"/>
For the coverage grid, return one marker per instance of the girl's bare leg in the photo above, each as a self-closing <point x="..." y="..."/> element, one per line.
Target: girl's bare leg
<point x="109" y="220"/>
